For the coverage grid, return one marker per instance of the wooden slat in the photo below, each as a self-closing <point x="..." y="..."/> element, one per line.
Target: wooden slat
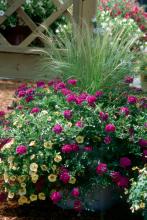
<point x="28" y="21"/>
<point x="58" y="4"/>
<point x="20" y="50"/>
<point x="15" y="5"/>
<point x="46" y="23"/>
<point x="3" y="41"/>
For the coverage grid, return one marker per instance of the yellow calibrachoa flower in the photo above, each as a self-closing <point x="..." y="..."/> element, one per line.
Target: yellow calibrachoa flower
<point x="41" y="196"/>
<point x="142" y="205"/>
<point x="32" y="144"/>
<point x="21" y="179"/>
<point x="33" y="197"/>
<point x="15" y="122"/>
<point x="57" y="113"/>
<point x="12" y="178"/>
<point x="44" y="167"/>
<point x="22" y="191"/>
<point x="79" y="139"/>
<point x="10" y="159"/>
<point x="32" y="156"/>
<point x="34" y="178"/>
<point x="49" y="118"/>
<point x="10" y="195"/>
<point x="48" y="144"/>
<point x="44" y="112"/>
<point x="22" y="200"/>
<point x="72" y="180"/>
<point x="52" y="178"/>
<point x="58" y="158"/>
<point x="6" y="178"/>
<point x="69" y="124"/>
<point x="23" y="185"/>
<point x="34" y="167"/>
<point x="135" y="168"/>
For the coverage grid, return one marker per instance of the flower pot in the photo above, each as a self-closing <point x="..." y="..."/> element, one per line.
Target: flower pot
<point x="97" y="199"/>
<point x="143" y="78"/>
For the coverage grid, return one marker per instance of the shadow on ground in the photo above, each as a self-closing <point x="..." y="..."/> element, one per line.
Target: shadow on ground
<point x="47" y="211"/>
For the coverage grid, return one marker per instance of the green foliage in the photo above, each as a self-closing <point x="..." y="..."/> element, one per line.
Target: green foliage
<point x="138" y="191"/>
<point x="97" y="61"/>
<point x="35" y="171"/>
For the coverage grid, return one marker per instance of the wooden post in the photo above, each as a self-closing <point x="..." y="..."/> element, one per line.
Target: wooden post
<point x="83" y="12"/>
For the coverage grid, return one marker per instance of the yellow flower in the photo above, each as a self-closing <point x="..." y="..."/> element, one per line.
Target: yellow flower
<point x="49" y="118"/>
<point x="32" y="143"/>
<point x="22" y="191"/>
<point x="21" y="179"/>
<point x="48" y="144"/>
<point x="79" y="139"/>
<point x="44" y="167"/>
<point x="135" y="168"/>
<point x="32" y="156"/>
<point x="23" y="185"/>
<point x="34" y="178"/>
<point x="22" y="200"/>
<point x="15" y="122"/>
<point x="10" y="159"/>
<point x="19" y="125"/>
<point x="41" y="196"/>
<point x="69" y="124"/>
<point x="54" y="167"/>
<point x="10" y="195"/>
<point x="44" y="112"/>
<point x="12" y="178"/>
<point x="142" y="205"/>
<point x="58" y="158"/>
<point x="33" y="197"/>
<point x="72" y="180"/>
<point x="57" y="113"/>
<point x="33" y="167"/>
<point x="48" y="91"/>
<point x="6" y="177"/>
<point x="52" y="178"/>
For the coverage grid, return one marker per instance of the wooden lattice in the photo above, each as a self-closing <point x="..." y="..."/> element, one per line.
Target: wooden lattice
<point x="36" y="30"/>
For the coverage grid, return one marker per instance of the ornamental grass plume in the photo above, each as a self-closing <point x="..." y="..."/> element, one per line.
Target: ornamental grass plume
<point x="97" y="61"/>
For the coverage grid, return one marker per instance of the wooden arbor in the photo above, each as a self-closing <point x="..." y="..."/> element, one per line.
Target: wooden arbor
<point x="20" y="61"/>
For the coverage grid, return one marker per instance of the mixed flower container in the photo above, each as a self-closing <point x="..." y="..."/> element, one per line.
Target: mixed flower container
<point x="72" y="147"/>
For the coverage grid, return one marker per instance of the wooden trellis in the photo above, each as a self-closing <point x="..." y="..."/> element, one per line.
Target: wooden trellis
<point x="36" y="31"/>
<point x="19" y="61"/>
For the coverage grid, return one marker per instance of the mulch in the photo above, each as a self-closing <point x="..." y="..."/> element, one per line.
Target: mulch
<point x="7" y="91"/>
<point x="45" y="210"/>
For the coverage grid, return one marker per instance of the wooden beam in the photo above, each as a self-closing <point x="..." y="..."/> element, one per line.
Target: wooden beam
<point x="83" y="12"/>
<point x="22" y="66"/>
